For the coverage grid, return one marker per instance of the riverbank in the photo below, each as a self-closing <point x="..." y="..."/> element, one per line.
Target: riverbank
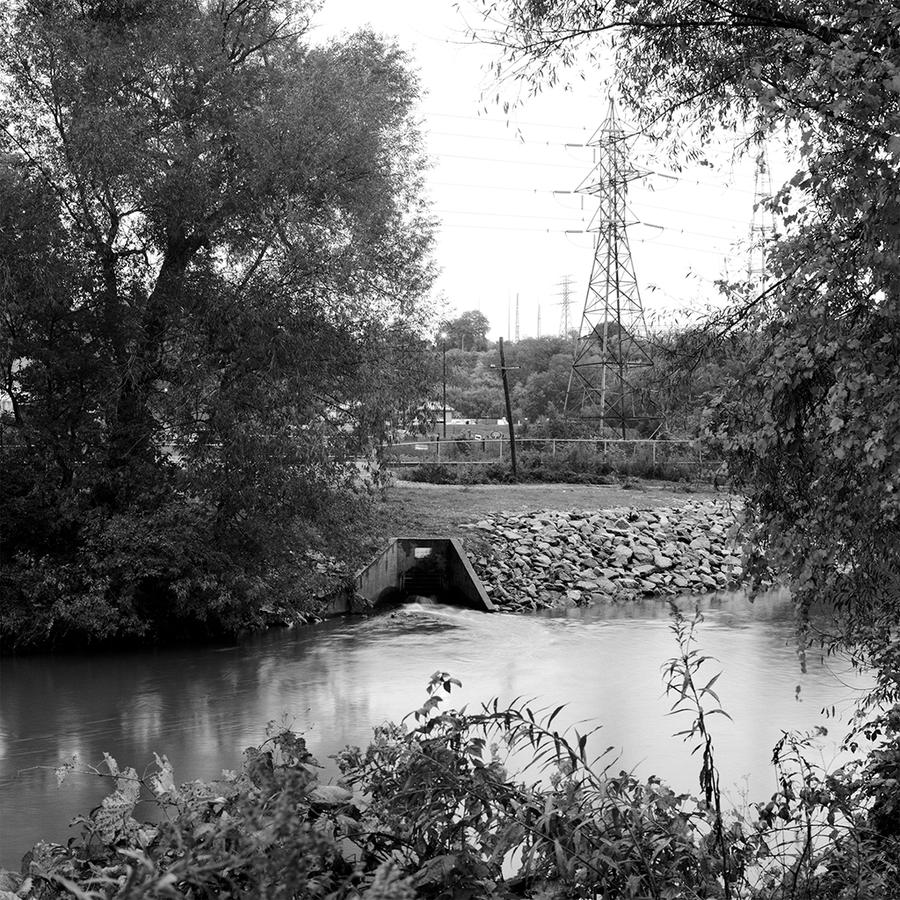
<point x="538" y="546"/>
<point x="541" y="560"/>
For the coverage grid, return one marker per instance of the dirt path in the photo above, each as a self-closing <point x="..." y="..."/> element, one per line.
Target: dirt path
<point x="440" y="509"/>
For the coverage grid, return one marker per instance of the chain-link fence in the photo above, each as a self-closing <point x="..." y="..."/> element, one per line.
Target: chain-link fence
<point x="686" y="458"/>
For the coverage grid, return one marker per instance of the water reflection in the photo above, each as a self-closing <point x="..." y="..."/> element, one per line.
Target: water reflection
<point x="203" y="706"/>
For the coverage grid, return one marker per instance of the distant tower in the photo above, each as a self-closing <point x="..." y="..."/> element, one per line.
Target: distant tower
<point x="762" y="226"/>
<point x="565" y="302"/>
<point x="517" y="318"/>
<point x="611" y="347"/>
<point x="539" y="321"/>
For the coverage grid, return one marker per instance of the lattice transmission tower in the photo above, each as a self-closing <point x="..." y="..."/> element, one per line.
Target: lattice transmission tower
<point x="565" y="302"/>
<point x="611" y="348"/>
<point x="762" y="225"/>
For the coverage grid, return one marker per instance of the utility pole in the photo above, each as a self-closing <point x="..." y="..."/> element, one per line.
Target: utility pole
<point x="509" y="419"/>
<point x="444" y="360"/>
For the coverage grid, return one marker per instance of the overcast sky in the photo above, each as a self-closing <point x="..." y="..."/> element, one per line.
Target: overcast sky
<point x="505" y="231"/>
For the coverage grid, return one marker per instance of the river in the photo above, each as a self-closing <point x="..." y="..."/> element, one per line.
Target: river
<point x="201" y="706"/>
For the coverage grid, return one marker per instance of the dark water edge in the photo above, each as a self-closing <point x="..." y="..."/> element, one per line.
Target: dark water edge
<point x="335" y="680"/>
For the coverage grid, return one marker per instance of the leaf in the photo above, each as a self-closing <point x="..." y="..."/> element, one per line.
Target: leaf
<point x="554" y="714"/>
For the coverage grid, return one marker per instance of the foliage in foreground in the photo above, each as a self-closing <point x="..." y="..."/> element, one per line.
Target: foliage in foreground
<point x="431" y="811"/>
<point x="213" y="249"/>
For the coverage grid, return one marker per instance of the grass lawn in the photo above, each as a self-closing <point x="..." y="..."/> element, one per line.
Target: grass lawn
<point x="413" y="508"/>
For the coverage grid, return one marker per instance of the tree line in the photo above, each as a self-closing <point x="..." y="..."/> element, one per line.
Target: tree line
<point x="688" y="372"/>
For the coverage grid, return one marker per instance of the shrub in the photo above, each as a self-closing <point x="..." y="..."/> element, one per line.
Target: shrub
<point x="433" y="473"/>
<point x="430" y="810"/>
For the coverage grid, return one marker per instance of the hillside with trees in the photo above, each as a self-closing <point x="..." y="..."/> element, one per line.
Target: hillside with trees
<point x="689" y="372"/>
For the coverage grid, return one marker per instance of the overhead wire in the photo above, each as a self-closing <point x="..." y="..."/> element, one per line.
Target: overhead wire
<point x="569" y="231"/>
<point x="639" y="203"/>
<point x="535" y="163"/>
<point x="472" y="212"/>
<point x="507" y="121"/>
<point x="586" y="222"/>
<point x="541" y="144"/>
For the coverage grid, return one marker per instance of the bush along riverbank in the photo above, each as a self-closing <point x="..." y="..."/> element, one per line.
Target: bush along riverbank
<point x="557" y="559"/>
<point x="430" y="810"/>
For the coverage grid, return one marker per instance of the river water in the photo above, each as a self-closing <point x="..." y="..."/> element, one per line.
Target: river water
<point x="203" y="706"/>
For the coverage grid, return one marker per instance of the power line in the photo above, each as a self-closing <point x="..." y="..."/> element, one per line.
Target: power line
<point x="640" y="203"/>
<point x="516" y="162"/>
<point x="536" y="164"/>
<point x="522" y="142"/>
<point x="566" y="231"/>
<point x="544" y="218"/>
<point x="474" y="118"/>
<point x="475" y="212"/>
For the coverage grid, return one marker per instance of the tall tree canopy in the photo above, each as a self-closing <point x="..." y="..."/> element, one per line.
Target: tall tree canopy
<point x="467" y="331"/>
<point x="811" y="425"/>
<point x="212" y="248"/>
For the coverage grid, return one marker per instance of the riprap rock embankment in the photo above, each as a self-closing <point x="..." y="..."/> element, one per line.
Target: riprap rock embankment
<point x="549" y="559"/>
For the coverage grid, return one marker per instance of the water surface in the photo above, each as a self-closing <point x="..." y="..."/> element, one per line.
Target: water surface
<point x="203" y="706"/>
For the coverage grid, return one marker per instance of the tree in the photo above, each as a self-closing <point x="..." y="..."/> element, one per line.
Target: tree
<point x="544" y="390"/>
<point x="212" y="249"/>
<point x="811" y="429"/>
<point x="473" y="388"/>
<point x="468" y="331"/>
<point x="691" y="369"/>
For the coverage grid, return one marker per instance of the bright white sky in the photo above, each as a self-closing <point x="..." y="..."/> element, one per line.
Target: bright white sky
<point x="505" y="231"/>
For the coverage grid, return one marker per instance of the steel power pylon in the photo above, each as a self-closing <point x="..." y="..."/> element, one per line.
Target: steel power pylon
<point x="762" y="225"/>
<point x="611" y="346"/>
<point x="565" y="303"/>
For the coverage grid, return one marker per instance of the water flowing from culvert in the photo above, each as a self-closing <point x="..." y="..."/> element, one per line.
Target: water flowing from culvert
<point x="202" y="706"/>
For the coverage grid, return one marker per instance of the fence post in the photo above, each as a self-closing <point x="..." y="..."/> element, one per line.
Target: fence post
<point x="501" y="448"/>
<point x="438" y="445"/>
<point x="653" y="453"/>
<point x="553" y="448"/>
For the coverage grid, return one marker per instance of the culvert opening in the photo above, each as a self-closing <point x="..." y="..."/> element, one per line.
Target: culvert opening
<point x="417" y="569"/>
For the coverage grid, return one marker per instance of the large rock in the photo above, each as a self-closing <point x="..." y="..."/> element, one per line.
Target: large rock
<point x="548" y="559"/>
<point x="642" y="553"/>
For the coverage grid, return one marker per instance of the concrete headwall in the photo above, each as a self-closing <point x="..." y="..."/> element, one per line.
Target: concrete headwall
<point x="428" y="565"/>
